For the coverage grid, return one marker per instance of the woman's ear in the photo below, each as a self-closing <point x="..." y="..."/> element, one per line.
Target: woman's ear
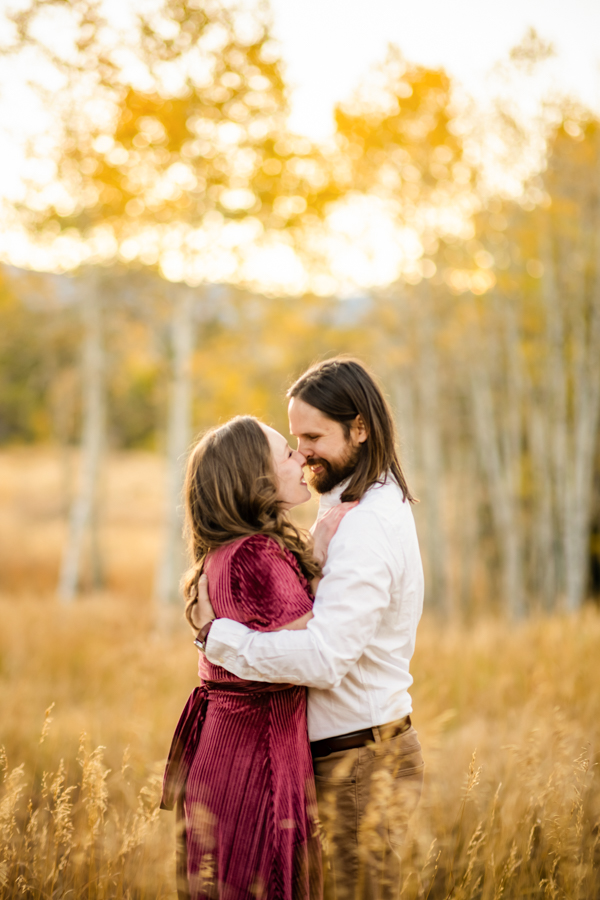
<point x="359" y="430"/>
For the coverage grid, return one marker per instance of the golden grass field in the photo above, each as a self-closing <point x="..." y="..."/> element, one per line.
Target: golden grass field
<point x="78" y="809"/>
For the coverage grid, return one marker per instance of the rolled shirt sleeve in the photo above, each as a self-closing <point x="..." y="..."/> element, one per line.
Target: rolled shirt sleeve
<point x="352" y="596"/>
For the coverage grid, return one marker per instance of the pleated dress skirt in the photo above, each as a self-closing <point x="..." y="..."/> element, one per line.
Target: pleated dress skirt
<point x="250" y="805"/>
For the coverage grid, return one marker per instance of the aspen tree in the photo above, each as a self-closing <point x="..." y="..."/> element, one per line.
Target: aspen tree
<point x="174" y="125"/>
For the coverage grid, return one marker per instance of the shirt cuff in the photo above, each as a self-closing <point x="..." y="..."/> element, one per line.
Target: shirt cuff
<point x="224" y="640"/>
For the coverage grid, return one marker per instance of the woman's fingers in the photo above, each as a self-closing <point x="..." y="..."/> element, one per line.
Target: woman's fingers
<point x="195" y="616"/>
<point x="338" y="512"/>
<point x="334" y="516"/>
<point x="327" y="526"/>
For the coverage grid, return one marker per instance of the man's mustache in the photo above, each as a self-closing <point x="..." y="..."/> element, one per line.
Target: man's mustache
<point x="317" y="461"/>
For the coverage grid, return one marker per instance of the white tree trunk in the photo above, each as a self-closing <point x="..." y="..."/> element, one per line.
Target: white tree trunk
<point x="498" y="436"/>
<point x="556" y="407"/>
<point x="573" y="402"/>
<point x="83" y="519"/>
<point x="172" y="564"/>
<point x="432" y="468"/>
<point x="544" y="569"/>
<point x="416" y="395"/>
<point x="465" y="523"/>
<point x="584" y="435"/>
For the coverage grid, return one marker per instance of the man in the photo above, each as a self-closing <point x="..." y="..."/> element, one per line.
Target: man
<point x="354" y="654"/>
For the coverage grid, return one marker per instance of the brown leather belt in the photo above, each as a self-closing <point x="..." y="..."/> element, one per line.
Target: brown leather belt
<point x="356" y="738"/>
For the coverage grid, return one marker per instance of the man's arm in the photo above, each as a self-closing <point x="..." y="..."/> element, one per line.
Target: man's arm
<point x="352" y="596"/>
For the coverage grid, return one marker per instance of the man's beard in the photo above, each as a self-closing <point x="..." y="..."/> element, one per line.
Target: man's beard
<point x="333" y="472"/>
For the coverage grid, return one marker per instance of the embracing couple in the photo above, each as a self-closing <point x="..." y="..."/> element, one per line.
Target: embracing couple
<point x="284" y="793"/>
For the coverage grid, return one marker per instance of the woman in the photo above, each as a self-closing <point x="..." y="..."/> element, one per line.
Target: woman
<point x="240" y="770"/>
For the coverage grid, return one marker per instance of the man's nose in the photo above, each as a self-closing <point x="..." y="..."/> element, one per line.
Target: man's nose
<point x="303" y="449"/>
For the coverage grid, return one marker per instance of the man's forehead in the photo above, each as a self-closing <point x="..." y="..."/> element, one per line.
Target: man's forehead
<point x="307" y="419"/>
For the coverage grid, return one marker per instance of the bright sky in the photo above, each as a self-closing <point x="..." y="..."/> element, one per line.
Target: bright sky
<point x="330" y="44"/>
<point x="328" y="47"/>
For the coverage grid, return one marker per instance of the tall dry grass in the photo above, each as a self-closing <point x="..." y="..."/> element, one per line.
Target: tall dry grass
<point x="88" y="698"/>
<point x="509" y="719"/>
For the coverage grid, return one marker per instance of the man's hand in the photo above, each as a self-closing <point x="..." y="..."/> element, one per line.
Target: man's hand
<point x="202" y="611"/>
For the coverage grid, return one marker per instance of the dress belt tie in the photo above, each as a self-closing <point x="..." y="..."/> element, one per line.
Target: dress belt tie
<point x="189" y="728"/>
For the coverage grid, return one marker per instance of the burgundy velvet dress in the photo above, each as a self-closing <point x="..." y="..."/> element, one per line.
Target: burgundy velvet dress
<point x="247" y="789"/>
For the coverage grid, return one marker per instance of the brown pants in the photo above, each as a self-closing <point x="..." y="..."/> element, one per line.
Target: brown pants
<point x="366" y="797"/>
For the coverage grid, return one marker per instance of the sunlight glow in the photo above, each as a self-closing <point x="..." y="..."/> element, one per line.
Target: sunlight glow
<point x="364" y="242"/>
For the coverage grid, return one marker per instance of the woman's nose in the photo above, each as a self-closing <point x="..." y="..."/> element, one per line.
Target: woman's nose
<point x="300" y="457"/>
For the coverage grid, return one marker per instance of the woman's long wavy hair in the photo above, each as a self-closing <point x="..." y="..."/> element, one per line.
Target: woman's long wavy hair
<point x="231" y="491"/>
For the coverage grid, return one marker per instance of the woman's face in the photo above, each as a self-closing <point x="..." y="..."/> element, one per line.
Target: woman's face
<point x="292" y="489"/>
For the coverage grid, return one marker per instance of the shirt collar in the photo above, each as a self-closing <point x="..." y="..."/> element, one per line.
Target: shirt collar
<point x="333" y="497"/>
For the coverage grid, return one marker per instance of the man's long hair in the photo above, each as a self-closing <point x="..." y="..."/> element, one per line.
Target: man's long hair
<point x="343" y="389"/>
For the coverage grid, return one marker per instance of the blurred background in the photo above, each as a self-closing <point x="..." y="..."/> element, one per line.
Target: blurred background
<point x="200" y="198"/>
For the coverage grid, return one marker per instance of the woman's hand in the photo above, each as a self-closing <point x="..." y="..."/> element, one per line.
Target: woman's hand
<point x="202" y="611"/>
<point x="326" y="527"/>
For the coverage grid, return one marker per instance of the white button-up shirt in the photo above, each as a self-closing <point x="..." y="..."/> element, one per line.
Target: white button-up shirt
<point x="355" y="653"/>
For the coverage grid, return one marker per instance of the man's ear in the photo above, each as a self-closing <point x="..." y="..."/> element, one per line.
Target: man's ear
<point x="359" y="430"/>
